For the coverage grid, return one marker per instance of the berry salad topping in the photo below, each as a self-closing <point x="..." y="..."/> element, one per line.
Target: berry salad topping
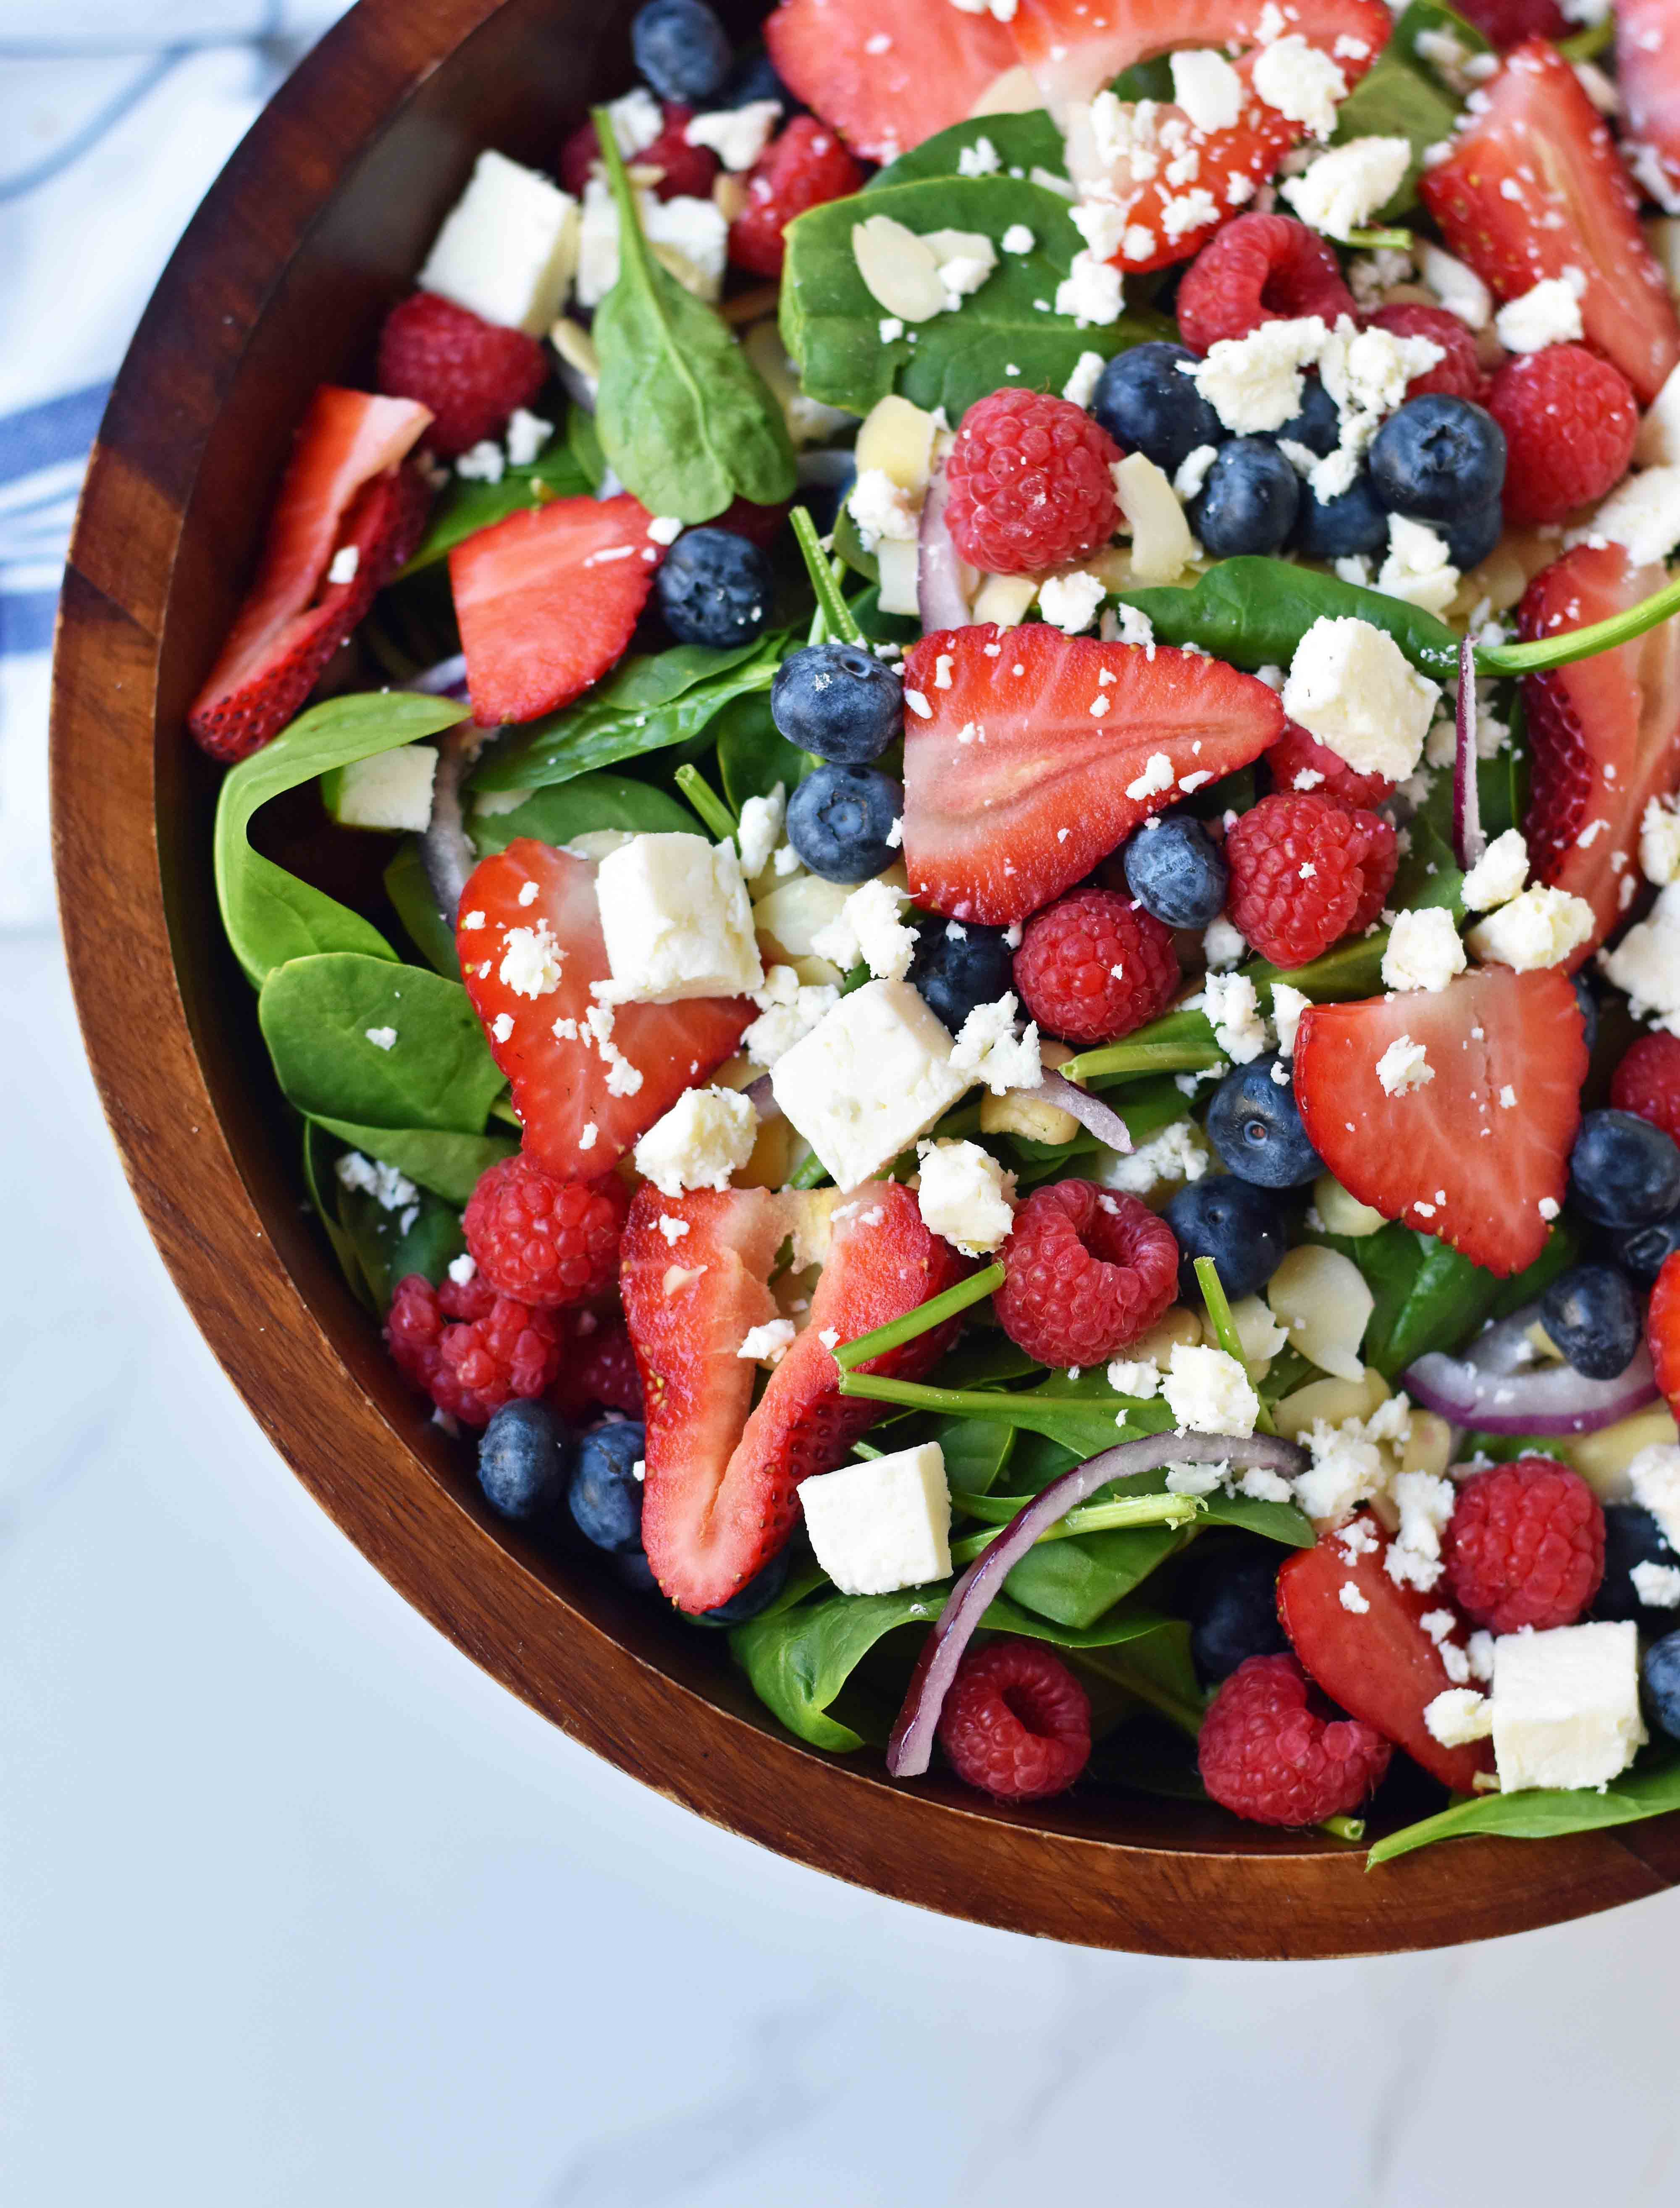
<point x="969" y="884"/>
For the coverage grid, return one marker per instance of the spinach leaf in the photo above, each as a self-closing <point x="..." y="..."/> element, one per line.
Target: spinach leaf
<point x="1423" y="15"/>
<point x="448" y="1163"/>
<point x="560" y="811"/>
<point x="1072" y="1582"/>
<point x="465" y="507"/>
<point x="1253" y="612"/>
<point x="583" y="441"/>
<point x="1394" y="99"/>
<point x="388" y="1252"/>
<point x="1650" y="1789"/>
<point x="684" y="419"/>
<point x="410" y="893"/>
<point x="1155" y="1669"/>
<point x="1022" y="142"/>
<point x="831" y="320"/>
<point x="752" y="753"/>
<point x="270" y="915"/>
<point x="1429" y="1296"/>
<point x="976" y="1451"/>
<point x="320" y="1152"/>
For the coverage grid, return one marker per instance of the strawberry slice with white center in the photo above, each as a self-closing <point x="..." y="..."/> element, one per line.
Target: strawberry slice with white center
<point x="722" y="1493"/>
<point x="1470" y="1144"/>
<point x="588" y="1079"/>
<point x="343" y="489"/>
<point x="1648" y="77"/>
<point x="1029" y="755"/>
<point x="1535" y="186"/>
<point x="887" y="73"/>
<point x="1604" y="733"/>
<point x="1074" y="48"/>
<point x="547" y="600"/>
<point x="1361" y="1638"/>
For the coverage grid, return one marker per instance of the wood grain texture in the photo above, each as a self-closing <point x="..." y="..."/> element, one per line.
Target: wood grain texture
<point x="280" y="282"/>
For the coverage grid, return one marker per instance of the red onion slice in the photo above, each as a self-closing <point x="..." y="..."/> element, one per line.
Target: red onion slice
<point x="1096" y="1117"/>
<point x="939" y="575"/>
<point x="447" y="680"/>
<point x="761" y="1095"/>
<point x="446" y="849"/>
<point x="1549" y="1399"/>
<point x="911" y="1746"/>
<point x="1469" y="840"/>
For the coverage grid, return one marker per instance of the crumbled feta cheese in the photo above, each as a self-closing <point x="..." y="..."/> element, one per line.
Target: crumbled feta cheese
<point x="1656" y="1586"/>
<point x="1135" y="1377"/>
<point x="381" y="1038"/>
<point x="1350" y="686"/>
<point x="484" y="462"/>
<point x="1645" y="963"/>
<point x="883" y="1524"/>
<point x="1459" y="289"/>
<point x="1090" y="292"/>
<point x="989" y="1050"/>
<point x="1416" y="568"/>
<point x="676" y="922"/>
<point x="1659" y="842"/>
<point x="1081" y="386"/>
<point x="1208" y="1392"/>
<point x="636" y="121"/>
<point x="1539" y="926"/>
<point x="530" y="961"/>
<point x="1643" y="514"/>
<point x="1208" y="88"/>
<point x="1232" y="1006"/>
<point x="736" y="135"/>
<point x="1344" y="188"/>
<point x="788" y="1010"/>
<point x="1176" y="1154"/>
<point x="966" y="1195"/>
<point x="390" y="1190"/>
<point x="1157" y="777"/>
<point x="1366" y="372"/>
<point x="1070" y="602"/>
<point x="1254" y="383"/>
<point x="1655" y="1478"/>
<point x="526" y="436"/>
<point x="868" y="926"/>
<point x="1425" y="1504"/>
<point x="707" y="1135"/>
<point x="1498" y="874"/>
<point x="1351" y="1599"/>
<point x="462" y="1269"/>
<point x="767" y="1344"/>
<point x="1193" y="473"/>
<point x="508" y="247"/>
<point x="1288" y="1006"/>
<point x="342" y="567"/>
<point x="1404" y="1065"/>
<point x="1017" y="239"/>
<point x="1424" y="952"/>
<point x="883" y="510"/>
<point x="1101" y="225"/>
<point x="1566" y="1705"/>
<point x="1547" y="314"/>
<point x="1301" y="82"/>
<point x="760" y="830"/>
<point x="1222" y="944"/>
<point x="1459" y="1716"/>
<point x="688" y="237"/>
<point x="1346" y="1469"/>
<point x="980" y="159"/>
<point x="872" y="1075"/>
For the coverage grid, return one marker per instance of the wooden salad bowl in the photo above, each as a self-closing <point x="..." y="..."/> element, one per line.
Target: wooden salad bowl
<point x="313" y="230"/>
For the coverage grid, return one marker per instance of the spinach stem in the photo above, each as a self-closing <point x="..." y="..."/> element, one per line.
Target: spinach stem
<point x="706" y="802"/>
<point x="1343" y="1828"/>
<point x="1585" y="45"/>
<point x="831" y="601"/>
<point x="1224" y="1326"/>
<point x="1572" y="644"/>
<point x="812" y="1174"/>
<point x="1092" y="1518"/>
<point x="849" y="1354"/>
<point x="1368" y="241"/>
<point x="1119" y="1060"/>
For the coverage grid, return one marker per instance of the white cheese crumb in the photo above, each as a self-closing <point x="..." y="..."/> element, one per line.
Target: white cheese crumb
<point x="1424" y="952"/>
<point x="1404" y="1065"/>
<point x="1499" y="873"/>
<point x="1539" y="926"/>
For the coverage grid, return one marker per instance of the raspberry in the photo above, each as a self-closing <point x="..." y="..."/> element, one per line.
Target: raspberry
<point x="1508" y="22"/>
<point x="1569" y="420"/>
<point x="471" y="374"/>
<point x="1260" y="268"/>
<point x="1016" y="1723"/>
<point x="1306" y="870"/>
<point x="1085" y="1274"/>
<point x="1296" y="754"/>
<point x="546" y="1240"/>
<point x="1273" y="1750"/>
<point x="1647" y="1083"/>
<point x="803" y="166"/>
<point x="1524" y="1546"/>
<point x="495" y="1349"/>
<point x="597" y="1367"/>
<point x="1459" y="375"/>
<point x="1095" y="966"/>
<point x="689" y="170"/>
<point x="1029" y="483"/>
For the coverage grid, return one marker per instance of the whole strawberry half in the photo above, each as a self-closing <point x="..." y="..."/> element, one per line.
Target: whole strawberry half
<point x="723" y="1474"/>
<point x="886" y="73"/>
<point x="1604" y="733"/>
<point x="1039" y="753"/>
<point x="584" y="1094"/>
<point x="1470" y="1153"/>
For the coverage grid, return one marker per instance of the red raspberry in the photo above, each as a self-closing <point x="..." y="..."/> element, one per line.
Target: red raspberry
<point x="470" y="372"/>
<point x="1460" y="375"/>
<point x="689" y="170"/>
<point x="1296" y="754"/>
<point x="1509" y="22"/>
<point x="1647" y="1082"/>
<point x="1029" y="483"/>
<point x="597" y="1367"/>
<point x="1095" y="966"/>
<point x="546" y="1240"/>
<point x="1085" y="1274"/>
<point x="1260" y="268"/>
<point x="497" y="1347"/>
<point x="1569" y="420"/>
<point x="1016" y="1723"/>
<point x="1272" y="1750"/>
<point x="803" y="166"/>
<point x="1524" y="1546"/>
<point x="1306" y="870"/>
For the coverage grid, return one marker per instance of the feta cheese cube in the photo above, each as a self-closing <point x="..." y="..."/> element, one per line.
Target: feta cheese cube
<point x="707" y="1135"/>
<point x="871" y="1077"/>
<point x="1424" y="952"/>
<point x="1350" y="686"/>
<point x="676" y="921"/>
<point x="1541" y="927"/>
<point x="966" y="1195"/>
<point x="1547" y="314"/>
<point x="393" y="790"/>
<point x="1090" y="292"/>
<point x="882" y="1524"/>
<point x="989" y="1050"/>
<point x="688" y="237"/>
<point x="1208" y="1392"/>
<point x="1344" y="188"/>
<point x="760" y="830"/>
<point x="1646" y="963"/>
<point x="1644" y="514"/>
<point x="507" y="247"/>
<point x="1499" y="873"/>
<point x="1658" y="841"/>
<point x="736" y="135"/>
<point x="1416" y="568"/>
<point x="1566" y="1705"/>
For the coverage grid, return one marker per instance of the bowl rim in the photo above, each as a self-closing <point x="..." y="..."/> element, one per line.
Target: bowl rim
<point x="224" y="1223"/>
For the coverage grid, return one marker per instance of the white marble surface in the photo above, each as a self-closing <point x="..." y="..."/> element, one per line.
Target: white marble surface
<point x="295" y="1906"/>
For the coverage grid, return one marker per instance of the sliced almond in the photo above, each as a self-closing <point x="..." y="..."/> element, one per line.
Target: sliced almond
<point x="896" y="566"/>
<point x="1602" y="1458"/>
<point x="1428" y="1446"/>
<point x="1004" y="599"/>
<point x="1343" y="1213"/>
<point x="1015" y="93"/>
<point x="1180" y="1328"/>
<point x="728" y="196"/>
<point x="1331" y="1401"/>
<point x="1258" y="1333"/>
<point x="1322" y="1298"/>
<point x="811" y="1224"/>
<point x="790" y="916"/>
<point x="900" y="273"/>
<point x="897" y="438"/>
<point x="1161" y="544"/>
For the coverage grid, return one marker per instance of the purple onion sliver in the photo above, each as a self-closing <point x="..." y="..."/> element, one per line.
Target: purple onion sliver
<point x="911" y="1746"/>
<point x="446" y="850"/>
<point x="761" y="1095"/>
<point x="1096" y="1117"/>
<point x="447" y="680"/>
<point x="939" y="572"/>
<point x="1469" y="840"/>
<point x="1550" y="1399"/>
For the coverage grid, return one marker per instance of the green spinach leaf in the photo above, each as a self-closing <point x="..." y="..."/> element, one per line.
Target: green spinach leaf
<point x="752" y="753"/>
<point x="556" y="814"/>
<point x="467" y="508"/>
<point x="387" y="1251"/>
<point x="410" y="893"/>
<point x="448" y="1163"/>
<point x="1024" y="143"/>
<point x="1424" y="16"/>
<point x="1652" y="1789"/>
<point x="1253" y="612"/>
<point x="1394" y="99"/>
<point x="320" y="1155"/>
<point x="583" y="441"/>
<point x="1428" y="1296"/>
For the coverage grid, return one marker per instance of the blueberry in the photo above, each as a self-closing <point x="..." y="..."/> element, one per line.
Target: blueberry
<point x="1623" y="1172"/>
<point x="1661" y="1673"/>
<point x="1589" y="1012"/>
<point x="1248" y="500"/>
<point x="1632" y="1538"/>
<point x="1439" y="457"/>
<point x="1147" y="407"/>
<point x="1234" y="1609"/>
<point x="522" y="1460"/>
<point x="681" y="48"/>
<point x="1319" y="424"/>
<point x="637" y="1574"/>
<point x="839" y="819"/>
<point x="1592" y="1313"/>
<point x="714" y="588"/>
<point x="837" y="701"/>
<point x="959" y="964"/>
<point x="1471" y="540"/>
<point x="605" y="1496"/>
<point x="1254" y="1124"/>
<point x="1642" y="1251"/>
<point x="1338" y="528"/>
<point x="753" y="77"/>
<point x="1175" y="870"/>
<point x="759" y="1592"/>
<point x="1236" y="1224"/>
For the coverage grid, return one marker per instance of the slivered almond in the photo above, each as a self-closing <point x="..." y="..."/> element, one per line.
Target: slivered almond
<point x="900" y="273"/>
<point x="1320" y="1298"/>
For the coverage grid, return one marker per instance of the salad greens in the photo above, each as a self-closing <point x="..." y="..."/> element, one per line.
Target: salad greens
<point x="558" y="812"/>
<point x="1021" y="142"/>
<point x="1650" y="1789"/>
<point x="1254" y="611"/>
<point x="463" y="507"/>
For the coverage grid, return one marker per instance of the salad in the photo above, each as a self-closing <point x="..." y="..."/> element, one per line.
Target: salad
<point x="956" y="812"/>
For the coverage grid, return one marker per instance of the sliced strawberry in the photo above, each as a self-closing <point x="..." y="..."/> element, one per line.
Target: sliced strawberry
<point x="721" y="1489"/>
<point x="1372" y="1654"/>
<point x="1662" y="1330"/>
<point x="1017" y="781"/>
<point x="1074" y="48"/>
<point x="1452" y="1157"/>
<point x="289" y="626"/>
<point x="1604" y="733"/>
<point x="547" y="600"/>
<point x="887" y="73"/>
<point x="583" y="1097"/>
<point x="1535" y="186"/>
<point x="1648" y="77"/>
